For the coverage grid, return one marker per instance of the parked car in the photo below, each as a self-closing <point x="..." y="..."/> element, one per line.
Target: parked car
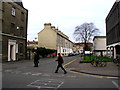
<point x="71" y="54"/>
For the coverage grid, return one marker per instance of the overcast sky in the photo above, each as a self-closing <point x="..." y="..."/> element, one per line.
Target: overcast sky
<point x="66" y="15"/>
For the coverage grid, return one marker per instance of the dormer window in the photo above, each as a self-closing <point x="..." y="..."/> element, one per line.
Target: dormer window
<point x="13" y="11"/>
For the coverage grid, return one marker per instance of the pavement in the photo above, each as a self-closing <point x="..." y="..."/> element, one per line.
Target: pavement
<point x="111" y="70"/>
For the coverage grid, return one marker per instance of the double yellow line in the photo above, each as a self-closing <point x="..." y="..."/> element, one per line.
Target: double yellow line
<point x="69" y="62"/>
<point x="100" y="76"/>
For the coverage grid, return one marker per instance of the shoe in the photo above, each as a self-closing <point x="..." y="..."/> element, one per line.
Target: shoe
<point x="65" y="72"/>
<point x="56" y="72"/>
<point x="35" y="66"/>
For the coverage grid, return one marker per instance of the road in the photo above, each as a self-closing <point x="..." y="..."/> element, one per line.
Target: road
<point x="22" y="74"/>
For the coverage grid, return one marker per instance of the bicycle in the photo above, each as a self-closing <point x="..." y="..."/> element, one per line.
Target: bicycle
<point x="98" y="63"/>
<point x="117" y="61"/>
<point x="102" y="63"/>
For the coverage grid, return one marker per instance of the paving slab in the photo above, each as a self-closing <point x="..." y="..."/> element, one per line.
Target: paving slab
<point x="110" y="70"/>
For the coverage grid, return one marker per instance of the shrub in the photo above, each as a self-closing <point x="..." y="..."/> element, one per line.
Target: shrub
<point x="43" y="51"/>
<point x="88" y="58"/>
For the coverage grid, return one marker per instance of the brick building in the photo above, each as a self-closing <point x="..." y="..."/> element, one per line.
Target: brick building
<point x="14" y="31"/>
<point x="79" y="47"/>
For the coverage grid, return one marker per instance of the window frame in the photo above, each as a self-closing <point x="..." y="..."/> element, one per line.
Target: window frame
<point x="13" y="11"/>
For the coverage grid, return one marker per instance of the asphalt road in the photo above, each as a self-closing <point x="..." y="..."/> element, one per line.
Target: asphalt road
<point x="22" y="74"/>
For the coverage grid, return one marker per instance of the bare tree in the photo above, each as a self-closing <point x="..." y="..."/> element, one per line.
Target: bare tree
<point x="85" y="33"/>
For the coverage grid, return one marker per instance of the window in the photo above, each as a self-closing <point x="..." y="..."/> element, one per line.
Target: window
<point x="21" y="48"/>
<point x="22" y="16"/>
<point x="13" y="11"/>
<point x="12" y="28"/>
<point x="21" y="31"/>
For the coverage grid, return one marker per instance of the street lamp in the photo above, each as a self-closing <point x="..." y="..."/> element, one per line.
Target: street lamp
<point x="35" y="43"/>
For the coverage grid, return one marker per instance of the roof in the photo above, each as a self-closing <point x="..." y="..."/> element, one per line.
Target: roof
<point x="83" y="43"/>
<point x="99" y="37"/>
<point x="116" y="4"/>
<point x="20" y="3"/>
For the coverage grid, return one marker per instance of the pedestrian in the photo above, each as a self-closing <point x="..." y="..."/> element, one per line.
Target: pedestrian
<point x="60" y="62"/>
<point x="36" y="59"/>
<point x="53" y="55"/>
<point x="118" y="60"/>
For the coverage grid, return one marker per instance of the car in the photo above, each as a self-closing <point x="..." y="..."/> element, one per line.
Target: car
<point x="71" y="54"/>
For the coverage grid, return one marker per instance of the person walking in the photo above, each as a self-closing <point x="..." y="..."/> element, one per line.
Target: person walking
<point x="36" y="59"/>
<point x="53" y="55"/>
<point x="60" y="62"/>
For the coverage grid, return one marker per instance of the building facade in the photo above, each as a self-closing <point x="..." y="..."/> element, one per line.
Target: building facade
<point x="32" y="44"/>
<point x="52" y="38"/>
<point x="99" y="45"/>
<point x="14" y="31"/>
<point x="79" y="47"/>
<point x="113" y="30"/>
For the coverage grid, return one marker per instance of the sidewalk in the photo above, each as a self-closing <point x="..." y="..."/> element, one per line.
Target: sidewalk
<point x="110" y="70"/>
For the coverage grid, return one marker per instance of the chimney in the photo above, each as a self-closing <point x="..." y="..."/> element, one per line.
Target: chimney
<point x="56" y="29"/>
<point x="47" y="26"/>
<point x="53" y="27"/>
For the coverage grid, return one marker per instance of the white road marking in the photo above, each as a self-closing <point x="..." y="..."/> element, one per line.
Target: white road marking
<point x="34" y="85"/>
<point x="8" y="71"/>
<point x="60" y="85"/>
<point x="46" y="75"/>
<point x="37" y="74"/>
<point x="117" y="86"/>
<point x="27" y="73"/>
<point x="70" y="76"/>
<point x="45" y="83"/>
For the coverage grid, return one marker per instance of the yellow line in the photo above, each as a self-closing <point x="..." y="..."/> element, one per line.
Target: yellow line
<point x="88" y="74"/>
<point x="96" y="75"/>
<point x="69" y="62"/>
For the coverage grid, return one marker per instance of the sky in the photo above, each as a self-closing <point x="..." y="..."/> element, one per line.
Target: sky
<point x="66" y="15"/>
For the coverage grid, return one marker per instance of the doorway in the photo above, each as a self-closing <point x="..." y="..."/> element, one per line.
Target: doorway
<point x="12" y="51"/>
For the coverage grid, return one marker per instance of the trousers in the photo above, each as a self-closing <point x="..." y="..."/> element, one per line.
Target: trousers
<point x="60" y="65"/>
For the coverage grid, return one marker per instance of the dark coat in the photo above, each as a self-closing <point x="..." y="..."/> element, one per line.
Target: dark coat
<point x="36" y="57"/>
<point x="60" y="60"/>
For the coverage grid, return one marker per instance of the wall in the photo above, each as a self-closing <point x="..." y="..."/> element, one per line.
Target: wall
<point x="18" y="34"/>
<point x="112" y="24"/>
<point x="47" y="38"/>
<point x="100" y="44"/>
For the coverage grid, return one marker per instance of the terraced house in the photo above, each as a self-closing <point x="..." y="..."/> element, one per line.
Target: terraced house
<point x="52" y="38"/>
<point x="14" y="31"/>
<point x="113" y="30"/>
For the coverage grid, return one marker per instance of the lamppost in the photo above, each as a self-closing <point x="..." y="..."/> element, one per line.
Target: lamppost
<point x="35" y="43"/>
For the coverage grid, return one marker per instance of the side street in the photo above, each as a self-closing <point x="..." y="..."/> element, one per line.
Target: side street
<point x="57" y="45"/>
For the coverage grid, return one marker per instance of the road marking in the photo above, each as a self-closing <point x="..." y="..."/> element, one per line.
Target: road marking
<point x="37" y="74"/>
<point x="117" y="86"/>
<point x="69" y="62"/>
<point x="8" y="70"/>
<point x="60" y="84"/>
<point x="71" y="76"/>
<point x="45" y="83"/>
<point x="27" y="73"/>
<point x="99" y="76"/>
<point x="46" y="75"/>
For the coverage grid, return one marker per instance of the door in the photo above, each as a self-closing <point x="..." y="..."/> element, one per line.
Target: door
<point x="12" y="51"/>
